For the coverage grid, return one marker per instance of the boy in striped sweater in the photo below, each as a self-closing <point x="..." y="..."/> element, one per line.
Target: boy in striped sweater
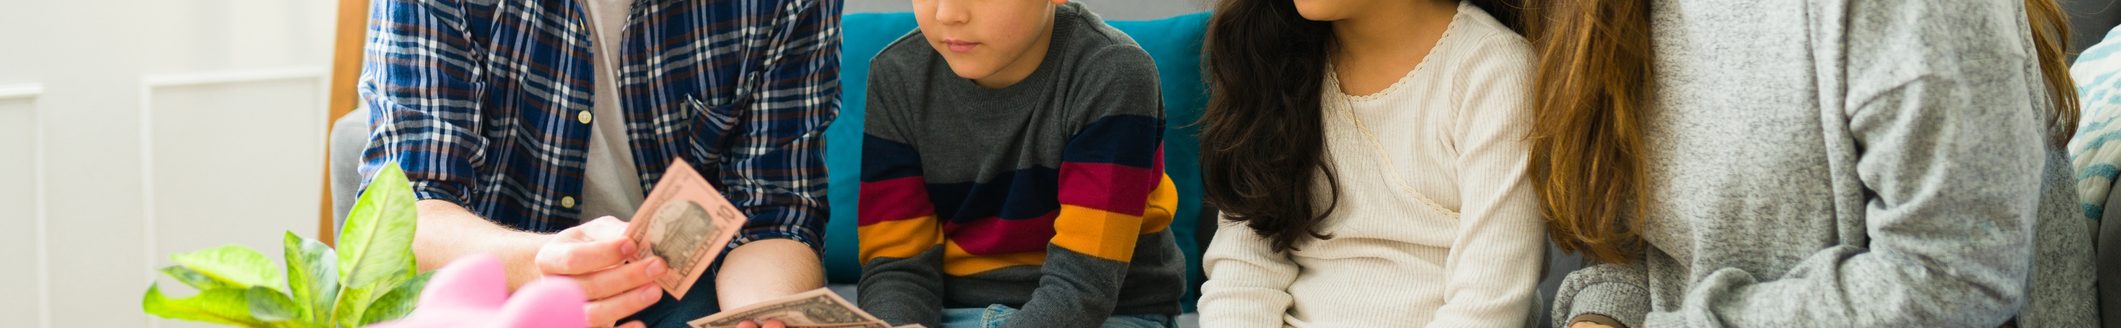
<point x="1012" y="173"/>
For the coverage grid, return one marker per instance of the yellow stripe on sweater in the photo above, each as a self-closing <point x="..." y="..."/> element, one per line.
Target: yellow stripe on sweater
<point x="959" y="263"/>
<point x="898" y="238"/>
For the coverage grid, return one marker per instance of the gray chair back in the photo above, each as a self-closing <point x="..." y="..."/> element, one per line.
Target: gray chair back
<point x="349" y="137"/>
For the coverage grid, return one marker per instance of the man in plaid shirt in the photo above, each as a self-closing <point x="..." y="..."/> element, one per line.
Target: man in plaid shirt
<point x="525" y="125"/>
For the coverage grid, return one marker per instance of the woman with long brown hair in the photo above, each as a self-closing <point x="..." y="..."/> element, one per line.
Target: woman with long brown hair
<point x="1809" y="163"/>
<point x="1368" y="154"/>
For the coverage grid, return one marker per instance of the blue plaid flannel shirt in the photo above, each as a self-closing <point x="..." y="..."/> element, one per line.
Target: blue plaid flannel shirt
<point x="478" y="102"/>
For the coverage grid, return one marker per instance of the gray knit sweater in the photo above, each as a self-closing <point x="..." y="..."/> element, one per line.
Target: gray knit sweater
<point x="1864" y="163"/>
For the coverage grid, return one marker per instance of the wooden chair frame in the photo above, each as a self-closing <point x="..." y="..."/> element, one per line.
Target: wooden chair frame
<point x="350" y="34"/>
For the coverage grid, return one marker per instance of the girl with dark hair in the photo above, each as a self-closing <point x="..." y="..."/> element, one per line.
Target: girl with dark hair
<point x="1369" y="157"/>
<point x="1816" y="163"/>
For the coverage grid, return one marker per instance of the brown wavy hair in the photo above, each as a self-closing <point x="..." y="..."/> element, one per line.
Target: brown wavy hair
<point x="1262" y="137"/>
<point x="1591" y="90"/>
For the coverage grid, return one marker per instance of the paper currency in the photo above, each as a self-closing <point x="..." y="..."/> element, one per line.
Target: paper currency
<point x="819" y="308"/>
<point x="685" y="222"/>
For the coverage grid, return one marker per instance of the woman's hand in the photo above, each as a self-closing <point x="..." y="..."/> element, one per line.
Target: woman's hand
<point x="1594" y="320"/>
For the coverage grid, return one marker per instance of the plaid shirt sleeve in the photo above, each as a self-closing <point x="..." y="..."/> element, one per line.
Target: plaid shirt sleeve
<point x="416" y="80"/>
<point x="774" y="166"/>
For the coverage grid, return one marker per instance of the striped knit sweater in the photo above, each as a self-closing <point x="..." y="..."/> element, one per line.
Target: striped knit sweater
<point x="1047" y="195"/>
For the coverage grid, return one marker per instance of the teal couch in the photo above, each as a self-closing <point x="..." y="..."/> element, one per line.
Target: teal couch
<point x="1173" y="42"/>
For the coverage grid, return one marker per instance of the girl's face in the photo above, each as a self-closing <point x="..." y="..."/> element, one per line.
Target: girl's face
<point x="979" y="38"/>
<point x="1333" y="10"/>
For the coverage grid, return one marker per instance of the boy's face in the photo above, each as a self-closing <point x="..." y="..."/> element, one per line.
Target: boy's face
<point x="987" y="39"/>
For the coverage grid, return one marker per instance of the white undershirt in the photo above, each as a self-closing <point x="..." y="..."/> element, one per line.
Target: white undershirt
<point x="1451" y="131"/>
<point x="610" y="182"/>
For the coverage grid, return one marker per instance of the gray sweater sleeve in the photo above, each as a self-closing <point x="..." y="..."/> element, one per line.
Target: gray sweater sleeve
<point x="1617" y="291"/>
<point x="1949" y="142"/>
<point x="1077" y="287"/>
<point x="897" y="286"/>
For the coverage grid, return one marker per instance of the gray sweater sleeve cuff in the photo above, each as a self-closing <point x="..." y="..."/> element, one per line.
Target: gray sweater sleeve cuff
<point x="903" y="291"/>
<point x="1621" y="302"/>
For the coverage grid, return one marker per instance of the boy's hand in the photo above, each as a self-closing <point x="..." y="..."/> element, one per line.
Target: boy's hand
<point x="594" y="254"/>
<point x="768" y="323"/>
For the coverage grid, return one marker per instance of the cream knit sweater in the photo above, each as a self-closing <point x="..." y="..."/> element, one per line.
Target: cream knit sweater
<point x="1451" y="131"/>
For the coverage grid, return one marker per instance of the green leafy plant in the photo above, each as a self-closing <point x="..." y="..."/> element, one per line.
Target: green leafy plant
<point x="370" y="278"/>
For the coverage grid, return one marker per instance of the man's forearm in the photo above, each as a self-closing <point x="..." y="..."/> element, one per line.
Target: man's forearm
<point x="448" y="231"/>
<point x="766" y="269"/>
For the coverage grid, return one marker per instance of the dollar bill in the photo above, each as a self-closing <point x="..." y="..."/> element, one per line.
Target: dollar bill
<point x="687" y="223"/>
<point x="819" y="308"/>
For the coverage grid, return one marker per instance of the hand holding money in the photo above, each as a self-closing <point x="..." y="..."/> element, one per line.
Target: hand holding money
<point x="625" y="266"/>
<point x="817" y="308"/>
<point x="772" y="323"/>
<point x="595" y="254"/>
<point x="768" y="323"/>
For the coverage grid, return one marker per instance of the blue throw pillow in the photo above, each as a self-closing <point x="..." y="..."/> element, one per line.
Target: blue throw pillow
<point x="1174" y="43"/>
<point x="863" y="35"/>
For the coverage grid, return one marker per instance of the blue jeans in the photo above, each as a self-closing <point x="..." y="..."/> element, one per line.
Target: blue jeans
<point x="673" y="313"/>
<point x="994" y="315"/>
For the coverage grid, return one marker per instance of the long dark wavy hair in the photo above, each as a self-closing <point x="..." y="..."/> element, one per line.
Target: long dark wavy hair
<point x="1262" y="140"/>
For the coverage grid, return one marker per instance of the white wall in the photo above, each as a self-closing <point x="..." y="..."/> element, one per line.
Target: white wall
<point x="134" y="129"/>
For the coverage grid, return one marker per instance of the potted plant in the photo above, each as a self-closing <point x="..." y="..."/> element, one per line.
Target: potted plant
<point x="370" y="278"/>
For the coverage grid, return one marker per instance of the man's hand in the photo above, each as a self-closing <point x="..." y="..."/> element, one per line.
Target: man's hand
<point x="594" y="254"/>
